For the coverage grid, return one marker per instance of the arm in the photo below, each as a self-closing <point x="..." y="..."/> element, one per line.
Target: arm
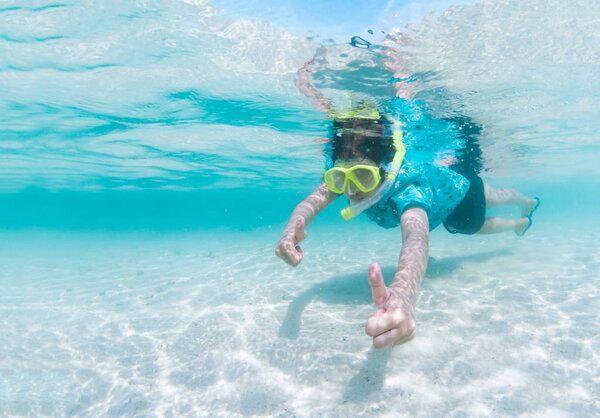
<point x="396" y="63"/>
<point x="394" y="321"/>
<point x="304" y="85"/>
<point x="287" y="248"/>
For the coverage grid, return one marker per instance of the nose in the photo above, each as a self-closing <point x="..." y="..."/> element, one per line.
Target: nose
<point x="352" y="189"/>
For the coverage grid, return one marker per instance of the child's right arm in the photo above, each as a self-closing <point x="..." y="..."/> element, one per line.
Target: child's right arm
<point x="287" y="248"/>
<point x="396" y="63"/>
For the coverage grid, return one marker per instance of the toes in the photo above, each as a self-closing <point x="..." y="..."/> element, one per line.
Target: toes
<point x="524" y="226"/>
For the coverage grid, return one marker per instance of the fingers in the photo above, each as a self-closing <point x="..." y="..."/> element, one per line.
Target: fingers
<point x="379" y="323"/>
<point x="289" y="253"/>
<point x="378" y="288"/>
<point x="395" y="337"/>
<point x="390" y="328"/>
<point x="299" y="232"/>
<point x="287" y="249"/>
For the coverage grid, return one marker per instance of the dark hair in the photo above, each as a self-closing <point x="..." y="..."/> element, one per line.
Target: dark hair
<point x="361" y="138"/>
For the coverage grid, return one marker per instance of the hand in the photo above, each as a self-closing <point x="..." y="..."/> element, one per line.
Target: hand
<point x="394" y="321"/>
<point x="287" y="248"/>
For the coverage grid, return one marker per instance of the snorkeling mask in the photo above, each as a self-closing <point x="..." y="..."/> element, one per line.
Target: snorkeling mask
<point x="364" y="177"/>
<point x="392" y="172"/>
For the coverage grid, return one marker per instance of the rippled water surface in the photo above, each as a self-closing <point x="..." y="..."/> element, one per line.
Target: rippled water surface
<point x="151" y="152"/>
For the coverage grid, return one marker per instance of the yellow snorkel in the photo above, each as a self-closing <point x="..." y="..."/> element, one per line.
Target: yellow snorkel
<point x="354" y="209"/>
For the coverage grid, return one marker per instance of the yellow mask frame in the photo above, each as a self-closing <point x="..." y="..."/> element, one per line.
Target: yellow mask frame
<point x="349" y="175"/>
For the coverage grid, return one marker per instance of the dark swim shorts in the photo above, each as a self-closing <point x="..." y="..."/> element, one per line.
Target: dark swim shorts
<point x="469" y="215"/>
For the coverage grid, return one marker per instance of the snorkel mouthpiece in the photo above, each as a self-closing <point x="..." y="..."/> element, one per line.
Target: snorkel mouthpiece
<point x="394" y="167"/>
<point x="348" y="213"/>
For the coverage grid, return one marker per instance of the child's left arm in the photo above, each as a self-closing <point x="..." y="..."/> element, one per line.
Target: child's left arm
<point x="304" y="85"/>
<point x="394" y="321"/>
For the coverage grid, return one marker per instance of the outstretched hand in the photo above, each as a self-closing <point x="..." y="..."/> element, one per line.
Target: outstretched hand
<point x="287" y="248"/>
<point x="394" y="321"/>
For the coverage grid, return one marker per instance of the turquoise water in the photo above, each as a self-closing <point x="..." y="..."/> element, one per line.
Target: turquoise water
<point x="150" y="155"/>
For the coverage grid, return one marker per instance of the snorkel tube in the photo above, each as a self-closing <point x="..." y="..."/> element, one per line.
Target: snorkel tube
<point x="393" y="168"/>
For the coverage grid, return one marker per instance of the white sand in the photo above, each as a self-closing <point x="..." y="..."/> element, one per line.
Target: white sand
<point x="213" y="324"/>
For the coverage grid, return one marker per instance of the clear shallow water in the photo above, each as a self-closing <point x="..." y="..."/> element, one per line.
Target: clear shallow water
<point x="151" y="152"/>
<point x="153" y="324"/>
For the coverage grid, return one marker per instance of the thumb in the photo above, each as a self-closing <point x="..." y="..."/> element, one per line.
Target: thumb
<point x="299" y="232"/>
<point x="377" y="285"/>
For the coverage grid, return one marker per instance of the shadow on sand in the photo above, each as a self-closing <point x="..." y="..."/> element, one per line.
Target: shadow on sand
<point x="354" y="289"/>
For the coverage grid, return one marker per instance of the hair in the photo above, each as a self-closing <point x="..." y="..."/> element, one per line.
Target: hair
<point x="361" y="138"/>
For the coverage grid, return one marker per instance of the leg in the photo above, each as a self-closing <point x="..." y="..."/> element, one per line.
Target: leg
<point x="502" y="197"/>
<point x="497" y="225"/>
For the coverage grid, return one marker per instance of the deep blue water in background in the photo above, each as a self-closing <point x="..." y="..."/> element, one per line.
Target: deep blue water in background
<point x="567" y="202"/>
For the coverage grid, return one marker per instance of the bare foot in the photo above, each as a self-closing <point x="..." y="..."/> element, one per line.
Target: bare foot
<point x="530" y="208"/>
<point x="522" y="226"/>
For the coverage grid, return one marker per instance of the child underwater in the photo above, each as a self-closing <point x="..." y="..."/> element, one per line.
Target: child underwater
<point x="366" y="160"/>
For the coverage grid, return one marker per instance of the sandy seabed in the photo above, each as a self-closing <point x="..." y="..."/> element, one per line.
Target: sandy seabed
<point x="211" y="323"/>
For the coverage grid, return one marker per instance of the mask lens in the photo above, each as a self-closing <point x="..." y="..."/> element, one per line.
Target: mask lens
<point x="338" y="178"/>
<point x="365" y="177"/>
<point x="335" y="179"/>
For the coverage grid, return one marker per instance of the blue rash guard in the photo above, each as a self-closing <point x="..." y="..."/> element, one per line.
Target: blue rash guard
<point x="436" y="189"/>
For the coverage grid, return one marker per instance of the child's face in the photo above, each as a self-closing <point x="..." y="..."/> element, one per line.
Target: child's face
<point x="352" y="192"/>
